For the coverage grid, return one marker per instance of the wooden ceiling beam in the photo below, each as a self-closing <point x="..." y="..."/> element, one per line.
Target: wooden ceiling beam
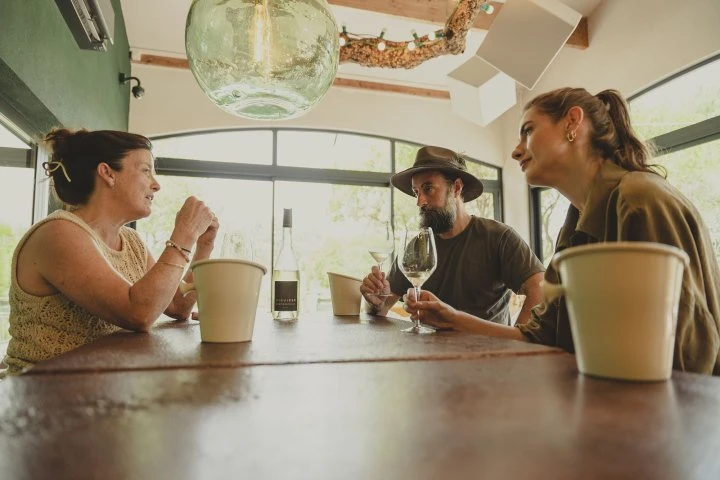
<point x="177" y="62"/>
<point x="438" y="11"/>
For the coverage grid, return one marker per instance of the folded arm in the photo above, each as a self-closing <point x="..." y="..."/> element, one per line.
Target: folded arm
<point x="67" y="259"/>
<point x="533" y="297"/>
<point x="181" y="306"/>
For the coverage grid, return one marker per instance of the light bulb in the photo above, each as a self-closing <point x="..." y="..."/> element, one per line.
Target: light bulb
<point x="431" y="36"/>
<point x="263" y="59"/>
<point x="381" y="46"/>
<point x="260" y="36"/>
<point x="411" y="45"/>
<point x="342" y="41"/>
<point x="487" y="8"/>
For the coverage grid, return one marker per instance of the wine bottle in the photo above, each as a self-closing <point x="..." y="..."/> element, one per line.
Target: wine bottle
<point x="285" y="276"/>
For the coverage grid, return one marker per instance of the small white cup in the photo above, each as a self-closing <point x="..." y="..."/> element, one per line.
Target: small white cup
<point x="227" y="298"/>
<point x="345" y="294"/>
<point x="622" y="300"/>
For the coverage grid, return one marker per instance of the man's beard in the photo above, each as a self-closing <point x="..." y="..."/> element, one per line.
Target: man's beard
<point x="441" y="219"/>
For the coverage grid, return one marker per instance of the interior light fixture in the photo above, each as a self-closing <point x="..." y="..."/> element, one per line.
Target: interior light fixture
<point x="263" y="59"/>
<point x="138" y="91"/>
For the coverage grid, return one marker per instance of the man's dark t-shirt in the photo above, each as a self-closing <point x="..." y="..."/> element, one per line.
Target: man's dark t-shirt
<point x="477" y="269"/>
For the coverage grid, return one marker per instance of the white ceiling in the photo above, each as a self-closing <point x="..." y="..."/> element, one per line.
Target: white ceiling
<point x="158" y="26"/>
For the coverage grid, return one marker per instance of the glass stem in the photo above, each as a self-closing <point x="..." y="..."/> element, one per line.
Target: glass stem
<point x="417" y="299"/>
<point x="380" y="268"/>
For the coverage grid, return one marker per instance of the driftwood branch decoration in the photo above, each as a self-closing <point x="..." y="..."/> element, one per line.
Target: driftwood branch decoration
<point x="450" y="40"/>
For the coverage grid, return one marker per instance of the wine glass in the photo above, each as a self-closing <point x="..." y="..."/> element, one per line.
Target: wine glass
<point x="237" y="246"/>
<point x="417" y="259"/>
<point x="381" y="248"/>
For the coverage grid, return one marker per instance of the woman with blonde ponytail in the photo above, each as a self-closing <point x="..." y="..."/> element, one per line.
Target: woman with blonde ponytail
<point x="584" y="146"/>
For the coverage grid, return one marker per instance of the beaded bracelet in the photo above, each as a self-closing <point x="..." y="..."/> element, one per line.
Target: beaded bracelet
<point x="186" y="250"/>
<point x="183" y="251"/>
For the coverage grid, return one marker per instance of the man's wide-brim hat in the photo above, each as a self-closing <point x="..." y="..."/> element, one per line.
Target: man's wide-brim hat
<point x="441" y="160"/>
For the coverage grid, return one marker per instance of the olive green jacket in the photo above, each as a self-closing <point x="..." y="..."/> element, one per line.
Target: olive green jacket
<point x="638" y="206"/>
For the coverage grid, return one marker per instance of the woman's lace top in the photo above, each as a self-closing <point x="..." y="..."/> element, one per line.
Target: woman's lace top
<point x="43" y="327"/>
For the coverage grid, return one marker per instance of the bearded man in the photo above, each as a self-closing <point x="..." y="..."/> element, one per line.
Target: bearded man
<point x="480" y="261"/>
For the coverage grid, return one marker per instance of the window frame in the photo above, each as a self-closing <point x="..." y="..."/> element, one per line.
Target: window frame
<point x="30" y="157"/>
<point x="205" y="168"/>
<point x="170" y="166"/>
<point x="274" y="172"/>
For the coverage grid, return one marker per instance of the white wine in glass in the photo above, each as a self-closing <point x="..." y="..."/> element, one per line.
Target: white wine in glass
<point x="417" y="278"/>
<point x="381" y="248"/>
<point x="380" y="256"/>
<point x="417" y="260"/>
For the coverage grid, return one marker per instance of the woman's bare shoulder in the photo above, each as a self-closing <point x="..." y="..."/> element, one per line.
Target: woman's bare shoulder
<point x="55" y="237"/>
<point x="50" y="245"/>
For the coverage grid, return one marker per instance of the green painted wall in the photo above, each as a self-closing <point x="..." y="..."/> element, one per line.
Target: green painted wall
<point x="46" y="80"/>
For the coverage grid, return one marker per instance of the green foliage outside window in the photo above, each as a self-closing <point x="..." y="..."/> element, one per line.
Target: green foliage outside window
<point x="8" y="241"/>
<point x="683" y="101"/>
<point x="694" y="171"/>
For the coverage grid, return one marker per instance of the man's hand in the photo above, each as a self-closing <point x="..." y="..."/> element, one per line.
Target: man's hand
<point x="375" y="288"/>
<point x="432" y="310"/>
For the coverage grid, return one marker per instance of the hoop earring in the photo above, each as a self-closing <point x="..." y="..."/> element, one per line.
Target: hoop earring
<point x="571" y="135"/>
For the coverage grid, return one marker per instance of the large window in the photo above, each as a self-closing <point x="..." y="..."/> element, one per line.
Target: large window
<point x="552" y="208"/>
<point x="681" y="117"/>
<point x="695" y="171"/>
<point x="16" y="196"/>
<point x="337" y="184"/>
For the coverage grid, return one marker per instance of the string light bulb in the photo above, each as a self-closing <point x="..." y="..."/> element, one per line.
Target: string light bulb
<point x="415" y="42"/>
<point x="343" y="37"/>
<point x="487" y="8"/>
<point x="431" y="36"/>
<point x="260" y="37"/>
<point x="381" y="44"/>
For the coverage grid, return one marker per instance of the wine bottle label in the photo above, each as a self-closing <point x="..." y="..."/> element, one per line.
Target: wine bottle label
<point x="285" y="296"/>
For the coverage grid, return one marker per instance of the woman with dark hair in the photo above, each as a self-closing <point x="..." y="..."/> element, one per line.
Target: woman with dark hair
<point x="584" y="146"/>
<point x="80" y="273"/>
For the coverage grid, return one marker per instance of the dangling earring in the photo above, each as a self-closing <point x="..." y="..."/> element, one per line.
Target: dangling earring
<point x="570" y="135"/>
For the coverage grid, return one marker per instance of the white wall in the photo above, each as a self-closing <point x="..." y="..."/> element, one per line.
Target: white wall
<point x="633" y="44"/>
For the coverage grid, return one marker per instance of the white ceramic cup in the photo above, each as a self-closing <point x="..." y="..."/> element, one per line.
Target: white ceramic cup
<point x="345" y="294"/>
<point x="622" y="300"/>
<point x="227" y="297"/>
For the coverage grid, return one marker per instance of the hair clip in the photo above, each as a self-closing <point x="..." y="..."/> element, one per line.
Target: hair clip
<point x="52" y="166"/>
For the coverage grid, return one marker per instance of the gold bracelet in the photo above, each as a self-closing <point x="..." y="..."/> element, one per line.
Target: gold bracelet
<point x="171" y="264"/>
<point x="182" y="251"/>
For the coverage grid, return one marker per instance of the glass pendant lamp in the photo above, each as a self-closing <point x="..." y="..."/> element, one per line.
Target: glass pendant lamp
<point x="262" y="59"/>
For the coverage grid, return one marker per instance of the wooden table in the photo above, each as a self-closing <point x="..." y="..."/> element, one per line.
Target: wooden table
<point x="317" y="339"/>
<point x="349" y="398"/>
<point x="501" y="417"/>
